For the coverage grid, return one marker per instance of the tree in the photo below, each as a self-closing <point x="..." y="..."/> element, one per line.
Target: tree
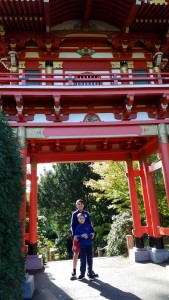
<point x="60" y="188"/>
<point x="11" y="197"/>
<point x="112" y="185"/>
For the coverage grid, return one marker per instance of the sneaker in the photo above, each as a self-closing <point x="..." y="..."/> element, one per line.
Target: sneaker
<point x="94" y="274"/>
<point x="91" y="277"/>
<point x="73" y="277"/>
<point x="81" y="277"/>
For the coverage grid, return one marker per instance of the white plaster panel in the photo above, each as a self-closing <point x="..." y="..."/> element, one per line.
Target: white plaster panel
<point x="32" y="54"/>
<point x="69" y="55"/>
<point x="102" y="55"/>
<point x="76" y="118"/>
<point x="106" y="117"/>
<point x="143" y="116"/>
<point x="38" y="118"/>
<point x="66" y="25"/>
<point x="138" y="55"/>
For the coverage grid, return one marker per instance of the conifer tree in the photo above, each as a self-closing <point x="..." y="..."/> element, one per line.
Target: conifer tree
<point x="11" y="197"/>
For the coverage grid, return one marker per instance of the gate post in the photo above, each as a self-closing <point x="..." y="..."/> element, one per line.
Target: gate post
<point x="33" y="209"/>
<point x="156" y="240"/>
<point x="21" y="133"/>
<point x="146" y="200"/>
<point x="134" y="203"/>
<point x="164" y="153"/>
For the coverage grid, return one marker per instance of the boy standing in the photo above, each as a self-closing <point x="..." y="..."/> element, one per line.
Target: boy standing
<point x="84" y="234"/>
<point x="74" y="224"/>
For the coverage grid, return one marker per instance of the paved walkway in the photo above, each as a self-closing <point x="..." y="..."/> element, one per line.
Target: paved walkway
<point x="119" y="279"/>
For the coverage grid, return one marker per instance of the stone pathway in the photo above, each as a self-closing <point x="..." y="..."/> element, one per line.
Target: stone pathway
<point x="119" y="279"/>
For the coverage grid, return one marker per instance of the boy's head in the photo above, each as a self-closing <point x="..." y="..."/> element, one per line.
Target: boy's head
<point x="81" y="218"/>
<point x="80" y="205"/>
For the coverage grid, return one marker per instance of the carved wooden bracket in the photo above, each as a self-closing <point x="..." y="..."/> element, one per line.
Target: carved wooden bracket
<point x="162" y="111"/>
<point x="128" y="104"/>
<point x="57" y="108"/>
<point x="19" y="107"/>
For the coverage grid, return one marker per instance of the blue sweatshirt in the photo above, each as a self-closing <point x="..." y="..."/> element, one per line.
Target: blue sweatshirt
<point x="81" y="229"/>
<point x="75" y="222"/>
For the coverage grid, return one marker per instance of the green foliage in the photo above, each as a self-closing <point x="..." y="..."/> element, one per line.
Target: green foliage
<point x="61" y="246"/>
<point x="11" y="197"/>
<point x="58" y="191"/>
<point x="160" y="193"/>
<point x="112" y="185"/>
<point x="121" y="226"/>
<point x="44" y="237"/>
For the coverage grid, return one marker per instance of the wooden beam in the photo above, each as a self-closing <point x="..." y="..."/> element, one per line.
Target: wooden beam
<point x="130" y="17"/>
<point x="87" y="13"/>
<point x="47" y="16"/>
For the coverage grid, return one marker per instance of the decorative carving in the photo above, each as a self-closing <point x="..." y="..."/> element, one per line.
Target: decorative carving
<point x="130" y="64"/>
<point x="162" y="133"/>
<point x="149" y="64"/>
<point x="158" y="2"/>
<point x="156" y="69"/>
<point x="21" y="65"/>
<point x="115" y="64"/>
<point x="58" y="64"/>
<point x="85" y="51"/>
<point x="42" y="64"/>
<point x="35" y="132"/>
<point x="149" y="130"/>
<point x="90" y="27"/>
<point x="91" y="118"/>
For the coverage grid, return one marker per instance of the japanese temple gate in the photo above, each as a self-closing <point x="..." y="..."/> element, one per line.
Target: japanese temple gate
<point x="83" y="86"/>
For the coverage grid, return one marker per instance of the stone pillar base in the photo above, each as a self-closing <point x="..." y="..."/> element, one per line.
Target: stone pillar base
<point x="28" y="287"/>
<point x="158" y="255"/>
<point x="34" y="262"/>
<point x="139" y="254"/>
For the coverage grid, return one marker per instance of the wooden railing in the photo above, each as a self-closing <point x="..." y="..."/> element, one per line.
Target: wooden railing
<point x="75" y="79"/>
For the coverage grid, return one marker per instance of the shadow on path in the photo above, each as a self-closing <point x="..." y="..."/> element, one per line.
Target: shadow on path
<point x="109" y="292"/>
<point x="45" y="289"/>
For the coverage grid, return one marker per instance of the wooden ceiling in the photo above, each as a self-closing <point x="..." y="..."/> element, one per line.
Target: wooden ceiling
<point x="134" y="16"/>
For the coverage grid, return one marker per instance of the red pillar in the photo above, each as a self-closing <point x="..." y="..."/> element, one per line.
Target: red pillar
<point x="146" y="200"/>
<point x="22" y="139"/>
<point x="134" y="203"/>
<point x="33" y="209"/>
<point x="152" y="203"/>
<point x="164" y="155"/>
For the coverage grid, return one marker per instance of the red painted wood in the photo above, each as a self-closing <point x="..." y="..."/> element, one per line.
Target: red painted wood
<point x="146" y="201"/>
<point x="155" y="219"/>
<point x="33" y="205"/>
<point x="134" y="201"/>
<point x="164" y="152"/>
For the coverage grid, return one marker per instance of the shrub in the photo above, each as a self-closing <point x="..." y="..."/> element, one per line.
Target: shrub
<point x="11" y="197"/>
<point x="122" y="225"/>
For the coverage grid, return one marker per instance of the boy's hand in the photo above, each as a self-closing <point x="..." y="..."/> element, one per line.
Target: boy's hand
<point x="75" y="238"/>
<point x="93" y="234"/>
<point x="84" y="235"/>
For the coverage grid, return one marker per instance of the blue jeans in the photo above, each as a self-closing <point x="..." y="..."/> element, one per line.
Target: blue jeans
<point x="86" y="254"/>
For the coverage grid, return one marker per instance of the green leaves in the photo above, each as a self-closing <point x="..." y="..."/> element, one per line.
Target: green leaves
<point x="11" y="197"/>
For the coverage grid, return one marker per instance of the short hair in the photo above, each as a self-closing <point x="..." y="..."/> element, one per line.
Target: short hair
<point x="79" y="201"/>
<point x="80" y="215"/>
